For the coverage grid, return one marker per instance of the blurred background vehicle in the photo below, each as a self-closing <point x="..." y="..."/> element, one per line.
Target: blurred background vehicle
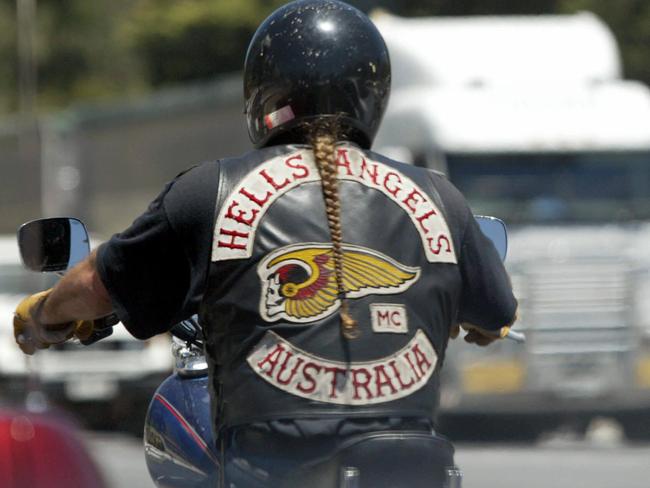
<point x="109" y="384"/>
<point x="40" y="450"/>
<point x="531" y="119"/>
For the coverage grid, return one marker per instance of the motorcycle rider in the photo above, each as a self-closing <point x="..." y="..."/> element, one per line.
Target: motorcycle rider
<point x="328" y="278"/>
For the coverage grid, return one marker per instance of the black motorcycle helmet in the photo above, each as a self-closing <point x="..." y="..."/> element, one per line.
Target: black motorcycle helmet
<point x="311" y="60"/>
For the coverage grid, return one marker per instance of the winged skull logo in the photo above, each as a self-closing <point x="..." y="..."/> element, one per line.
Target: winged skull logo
<point x="299" y="285"/>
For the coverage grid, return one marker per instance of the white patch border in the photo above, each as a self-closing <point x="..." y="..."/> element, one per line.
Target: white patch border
<point x="271" y="340"/>
<point x="264" y="272"/>
<point x="375" y="325"/>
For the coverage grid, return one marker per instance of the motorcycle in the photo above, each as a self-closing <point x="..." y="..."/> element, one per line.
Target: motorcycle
<point x="180" y="447"/>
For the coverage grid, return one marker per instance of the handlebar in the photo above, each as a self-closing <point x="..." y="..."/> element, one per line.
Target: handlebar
<point x="187" y="330"/>
<point x="518" y="337"/>
<point x="102" y="328"/>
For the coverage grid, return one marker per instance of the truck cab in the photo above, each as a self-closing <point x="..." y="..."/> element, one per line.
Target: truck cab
<point x="531" y="119"/>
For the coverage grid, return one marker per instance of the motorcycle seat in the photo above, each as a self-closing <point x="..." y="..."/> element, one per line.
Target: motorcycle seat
<point x="392" y="459"/>
<point x="383" y="459"/>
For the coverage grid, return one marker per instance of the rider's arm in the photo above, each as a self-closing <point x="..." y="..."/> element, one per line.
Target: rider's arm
<point x="156" y="269"/>
<point x="55" y="315"/>
<point x="79" y="295"/>
<point x="487" y="307"/>
<point x="486" y="300"/>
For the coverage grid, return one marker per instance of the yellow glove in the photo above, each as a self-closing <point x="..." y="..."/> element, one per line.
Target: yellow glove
<point x="31" y="335"/>
<point x="478" y="336"/>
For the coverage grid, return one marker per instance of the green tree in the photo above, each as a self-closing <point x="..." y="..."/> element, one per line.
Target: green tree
<point x="8" y="59"/>
<point x="100" y="49"/>
<point x="193" y="39"/>
<point x="630" y="22"/>
<point x="81" y="56"/>
<point x="465" y="7"/>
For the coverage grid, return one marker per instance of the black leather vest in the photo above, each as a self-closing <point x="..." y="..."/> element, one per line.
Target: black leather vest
<point x="271" y="310"/>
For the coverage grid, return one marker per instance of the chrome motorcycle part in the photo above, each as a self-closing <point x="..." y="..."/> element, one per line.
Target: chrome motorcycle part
<point x="350" y="477"/>
<point x="454" y="478"/>
<point x="189" y="361"/>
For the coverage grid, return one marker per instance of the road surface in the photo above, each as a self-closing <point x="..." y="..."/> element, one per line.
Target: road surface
<point x="554" y="463"/>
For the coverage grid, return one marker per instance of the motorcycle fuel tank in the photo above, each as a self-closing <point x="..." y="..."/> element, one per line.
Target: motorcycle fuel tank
<point x="178" y="439"/>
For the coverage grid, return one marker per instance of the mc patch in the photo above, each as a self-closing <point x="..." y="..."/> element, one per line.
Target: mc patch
<point x="299" y="284"/>
<point x="389" y="317"/>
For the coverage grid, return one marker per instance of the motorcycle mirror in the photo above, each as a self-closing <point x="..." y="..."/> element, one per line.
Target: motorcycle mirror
<point x="55" y="244"/>
<point x="495" y="230"/>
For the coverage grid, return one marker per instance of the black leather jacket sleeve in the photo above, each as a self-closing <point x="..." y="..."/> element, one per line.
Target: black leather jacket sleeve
<point x="155" y="270"/>
<point x="486" y="298"/>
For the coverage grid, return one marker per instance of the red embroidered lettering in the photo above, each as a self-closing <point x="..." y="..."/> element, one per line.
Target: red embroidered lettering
<point x="234" y="235"/>
<point x="272" y="359"/>
<point x="373" y="174"/>
<point x="342" y="161"/>
<point x="411" y="201"/>
<point x="441" y="239"/>
<point x="298" y="373"/>
<point x="395" y="189"/>
<point x="272" y="182"/>
<point x="421" y="359"/>
<point x="308" y="377"/>
<point x="402" y="385"/>
<point x="383" y="317"/>
<point x="359" y="384"/>
<point x="293" y="371"/>
<point x="260" y="202"/>
<point x="239" y="217"/>
<point x="335" y="372"/>
<point x="425" y="217"/>
<point x="382" y="380"/>
<point x="395" y="319"/>
<point x="304" y="170"/>
<point x="415" y="371"/>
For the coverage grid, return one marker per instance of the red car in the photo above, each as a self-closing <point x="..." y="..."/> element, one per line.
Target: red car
<point x="43" y="451"/>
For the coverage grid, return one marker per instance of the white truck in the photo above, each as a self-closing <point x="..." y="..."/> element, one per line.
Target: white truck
<point x="109" y="383"/>
<point x="531" y="119"/>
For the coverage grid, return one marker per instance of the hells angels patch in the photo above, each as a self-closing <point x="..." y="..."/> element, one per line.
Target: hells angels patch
<point x="299" y="283"/>
<point x="242" y="211"/>
<point x="306" y="375"/>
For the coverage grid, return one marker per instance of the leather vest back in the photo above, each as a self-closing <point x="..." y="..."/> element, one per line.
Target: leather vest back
<point x="271" y="310"/>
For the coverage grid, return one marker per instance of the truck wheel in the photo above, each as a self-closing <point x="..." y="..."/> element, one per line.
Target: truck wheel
<point x="636" y="426"/>
<point x="491" y="428"/>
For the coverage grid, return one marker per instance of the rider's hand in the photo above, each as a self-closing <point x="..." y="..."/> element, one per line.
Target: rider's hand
<point x="477" y="335"/>
<point x="31" y="335"/>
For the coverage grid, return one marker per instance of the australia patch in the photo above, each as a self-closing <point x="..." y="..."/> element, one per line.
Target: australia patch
<point x="306" y="375"/>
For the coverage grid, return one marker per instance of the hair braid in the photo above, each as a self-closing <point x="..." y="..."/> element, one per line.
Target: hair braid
<point x="323" y="141"/>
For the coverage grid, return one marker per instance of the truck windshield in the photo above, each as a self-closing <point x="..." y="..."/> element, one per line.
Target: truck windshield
<point x="524" y="188"/>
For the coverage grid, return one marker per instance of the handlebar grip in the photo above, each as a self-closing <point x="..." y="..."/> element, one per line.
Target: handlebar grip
<point x="106" y="322"/>
<point x="97" y="335"/>
<point x="519" y="337"/>
<point x="102" y="328"/>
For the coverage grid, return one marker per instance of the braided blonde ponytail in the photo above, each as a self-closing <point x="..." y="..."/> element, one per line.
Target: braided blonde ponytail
<point x="323" y="140"/>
